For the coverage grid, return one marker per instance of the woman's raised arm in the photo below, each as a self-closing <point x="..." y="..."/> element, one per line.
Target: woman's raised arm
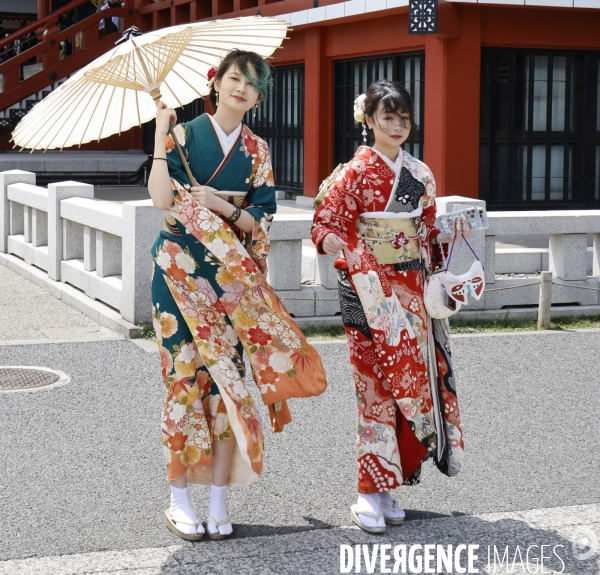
<point x="159" y="183"/>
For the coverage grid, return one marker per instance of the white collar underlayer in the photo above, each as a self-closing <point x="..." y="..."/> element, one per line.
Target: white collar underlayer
<point x="226" y="141"/>
<point x="394" y="166"/>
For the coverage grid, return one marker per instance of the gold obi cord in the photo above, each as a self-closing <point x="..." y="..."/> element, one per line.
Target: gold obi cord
<point x="392" y="240"/>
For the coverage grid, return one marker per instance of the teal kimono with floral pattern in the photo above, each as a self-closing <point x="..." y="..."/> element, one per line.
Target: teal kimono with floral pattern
<point x="211" y="302"/>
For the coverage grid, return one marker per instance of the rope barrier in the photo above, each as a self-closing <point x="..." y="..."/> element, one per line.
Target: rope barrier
<point x="512" y="287"/>
<point x="574" y="286"/>
<point x="485" y="291"/>
<point x="309" y="299"/>
<point x="337" y="299"/>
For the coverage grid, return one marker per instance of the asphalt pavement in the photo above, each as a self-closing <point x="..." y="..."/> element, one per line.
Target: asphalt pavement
<point x="84" y="490"/>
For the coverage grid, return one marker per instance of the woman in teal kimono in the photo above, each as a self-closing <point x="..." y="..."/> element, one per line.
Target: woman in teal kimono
<point x="211" y="301"/>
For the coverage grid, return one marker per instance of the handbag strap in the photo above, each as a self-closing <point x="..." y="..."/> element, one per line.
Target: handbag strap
<point x="452" y="248"/>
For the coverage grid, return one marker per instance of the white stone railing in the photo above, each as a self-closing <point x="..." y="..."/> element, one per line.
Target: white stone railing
<point x="102" y="248"/>
<point x="568" y="257"/>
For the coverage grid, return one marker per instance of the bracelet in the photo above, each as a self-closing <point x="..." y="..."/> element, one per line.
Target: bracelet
<point x="165" y="159"/>
<point x="234" y="217"/>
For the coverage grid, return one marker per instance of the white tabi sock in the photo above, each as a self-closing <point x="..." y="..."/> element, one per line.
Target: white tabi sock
<point x="217" y="509"/>
<point x="370" y="502"/>
<point x="183" y="509"/>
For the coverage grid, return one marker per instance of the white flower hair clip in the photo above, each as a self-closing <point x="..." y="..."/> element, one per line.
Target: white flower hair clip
<point x="359" y="113"/>
<point x="359" y="108"/>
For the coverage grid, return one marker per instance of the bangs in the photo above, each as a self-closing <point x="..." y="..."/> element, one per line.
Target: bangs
<point x="394" y="103"/>
<point x="261" y="78"/>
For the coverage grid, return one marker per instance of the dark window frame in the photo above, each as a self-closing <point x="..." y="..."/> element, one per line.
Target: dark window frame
<point x="508" y="137"/>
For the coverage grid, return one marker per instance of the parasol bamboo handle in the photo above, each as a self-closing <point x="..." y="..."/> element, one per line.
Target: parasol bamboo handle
<point x="156" y="96"/>
<point x="184" y="161"/>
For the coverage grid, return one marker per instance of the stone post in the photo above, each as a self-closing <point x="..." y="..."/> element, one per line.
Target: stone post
<point x="285" y="257"/>
<point x="325" y="273"/>
<point x="596" y="256"/>
<point x="141" y="225"/>
<point x="7" y="178"/>
<point x="567" y="256"/>
<point x="56" y="193"/>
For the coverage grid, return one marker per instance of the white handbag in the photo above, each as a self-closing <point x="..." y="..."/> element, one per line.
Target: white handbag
<point x="444" y="292"/>
<point x="437" y="302"/>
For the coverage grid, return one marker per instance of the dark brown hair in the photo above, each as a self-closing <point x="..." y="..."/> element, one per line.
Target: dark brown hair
<point x="260" y="77"/>
<point x="395" y="99"/>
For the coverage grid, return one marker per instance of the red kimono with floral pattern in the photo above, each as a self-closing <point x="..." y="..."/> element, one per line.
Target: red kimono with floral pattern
<point x="400" y="357"/>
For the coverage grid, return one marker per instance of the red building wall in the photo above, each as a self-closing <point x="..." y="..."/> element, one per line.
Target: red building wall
<point x="452" y="75"/>
<point x="452" y="68"/>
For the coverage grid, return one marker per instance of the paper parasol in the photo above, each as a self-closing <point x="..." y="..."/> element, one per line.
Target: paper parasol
<point x="120" y="89"/>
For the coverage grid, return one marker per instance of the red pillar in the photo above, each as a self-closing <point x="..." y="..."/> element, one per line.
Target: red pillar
<point x="317" y="105"/>
<point x="42" y="9"/>
<point x="452" y="107"/>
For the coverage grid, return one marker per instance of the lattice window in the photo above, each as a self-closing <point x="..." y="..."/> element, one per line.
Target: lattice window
<point x="540" y="129"/>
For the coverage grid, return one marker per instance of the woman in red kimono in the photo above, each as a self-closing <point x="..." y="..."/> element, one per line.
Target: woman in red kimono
<point x="380" y="211"/>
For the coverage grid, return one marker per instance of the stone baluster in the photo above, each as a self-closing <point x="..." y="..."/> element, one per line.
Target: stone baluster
<point x="7" y="178"/>
<point x="56" y="193"/>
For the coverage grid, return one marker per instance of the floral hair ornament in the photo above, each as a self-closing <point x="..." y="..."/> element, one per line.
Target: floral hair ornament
<point x="359" y="113"/>
<point x="211" y="76"/>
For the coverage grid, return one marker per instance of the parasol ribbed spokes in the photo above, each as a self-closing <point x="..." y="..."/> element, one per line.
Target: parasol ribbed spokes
<point x="144" y="68"/>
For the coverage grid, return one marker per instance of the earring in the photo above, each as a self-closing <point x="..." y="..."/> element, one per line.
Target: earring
<point x="216" y="98"/>
<point x="364" y="133"/>
<point x="255" y="109"/>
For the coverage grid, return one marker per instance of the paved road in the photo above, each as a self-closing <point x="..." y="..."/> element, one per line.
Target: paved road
<point x="82" y="470"/>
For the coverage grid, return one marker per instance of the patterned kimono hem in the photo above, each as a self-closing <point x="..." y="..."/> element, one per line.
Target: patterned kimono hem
<point x="242" y="474"/>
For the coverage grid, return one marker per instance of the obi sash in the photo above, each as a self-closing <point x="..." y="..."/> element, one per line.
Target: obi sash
<point x="392" y="237"/>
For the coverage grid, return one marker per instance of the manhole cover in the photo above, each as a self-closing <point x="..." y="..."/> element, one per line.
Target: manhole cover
<point x="30" y="378"/>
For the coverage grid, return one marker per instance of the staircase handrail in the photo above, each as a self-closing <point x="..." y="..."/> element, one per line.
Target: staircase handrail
<point x="12" y="48"/>
<point x="42" y="46"/>
<point x="46" y="21"/>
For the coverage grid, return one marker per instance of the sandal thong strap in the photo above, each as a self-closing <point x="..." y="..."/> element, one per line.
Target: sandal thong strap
<point x="184" y="521"/>
<point x="217" y="524"/>
<point x="391" y="508"/>
<point x="366" y="512"/>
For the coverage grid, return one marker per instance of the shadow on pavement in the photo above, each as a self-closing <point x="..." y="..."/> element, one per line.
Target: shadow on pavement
<point x="507" y="545"/>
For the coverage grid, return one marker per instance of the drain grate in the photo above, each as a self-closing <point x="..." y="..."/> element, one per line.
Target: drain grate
<point x="30" y="378"/>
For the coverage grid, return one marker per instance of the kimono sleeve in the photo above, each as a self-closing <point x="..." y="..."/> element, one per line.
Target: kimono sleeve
<point x="260" y="202"/>
<point x="428" y="219"/>
<point x="176" y="169"/>
<point x="339" y="210"/>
